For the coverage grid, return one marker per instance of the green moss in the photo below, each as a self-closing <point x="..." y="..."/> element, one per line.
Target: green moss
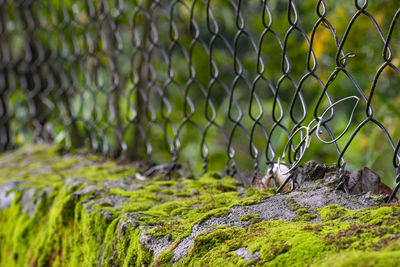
<point x="364" y="259"/>
<point x="303" y="212"/>
<point x="204" y="243"/>
<point x="379" y="199"/>
<point x="122" y="247"/>
<point x="254" y="196"/>
<point x="42" y="166"/>
<point x="164" y="258"/>
<point x="305" y="217"/>
<point x="331" y="212"/>
<point x="292" y="204"/>
<point x="251" y="191"/>
<point x="65" y="164"/>
<point x="279" y="243"/>
<point x="283" y="243"/>
<point x="253" y="218"/>
<point x="63" y="232"/>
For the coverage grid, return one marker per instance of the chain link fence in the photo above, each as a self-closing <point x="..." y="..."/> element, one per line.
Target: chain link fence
<point x="206" y="84"/>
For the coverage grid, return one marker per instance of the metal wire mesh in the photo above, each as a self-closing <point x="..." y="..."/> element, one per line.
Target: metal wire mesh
<point x="241" y="84"/>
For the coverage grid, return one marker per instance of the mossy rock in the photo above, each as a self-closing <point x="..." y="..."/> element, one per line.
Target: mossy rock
<point x="78" y="210"/>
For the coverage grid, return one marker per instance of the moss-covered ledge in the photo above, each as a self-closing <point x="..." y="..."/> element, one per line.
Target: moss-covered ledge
<point x="76" y="210"/>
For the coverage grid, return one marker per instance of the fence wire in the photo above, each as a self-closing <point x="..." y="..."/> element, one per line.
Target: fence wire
<point x="205" y="84"/>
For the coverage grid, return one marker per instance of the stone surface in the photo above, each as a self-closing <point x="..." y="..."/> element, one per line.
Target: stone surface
<point x="6" y="194"/>
<point x="246" y="254"/>
<point x="77" y="210"/>
<point x="362" y="181"/>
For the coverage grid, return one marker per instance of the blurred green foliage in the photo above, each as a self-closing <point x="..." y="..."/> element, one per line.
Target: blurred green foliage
<point x="101" y="56"/>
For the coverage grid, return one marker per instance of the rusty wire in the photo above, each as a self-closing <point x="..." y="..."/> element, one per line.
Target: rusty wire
<point x="187" y="81"/>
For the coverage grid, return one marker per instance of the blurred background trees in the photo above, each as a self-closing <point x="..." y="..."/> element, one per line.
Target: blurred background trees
<point x="203" y="83"/>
